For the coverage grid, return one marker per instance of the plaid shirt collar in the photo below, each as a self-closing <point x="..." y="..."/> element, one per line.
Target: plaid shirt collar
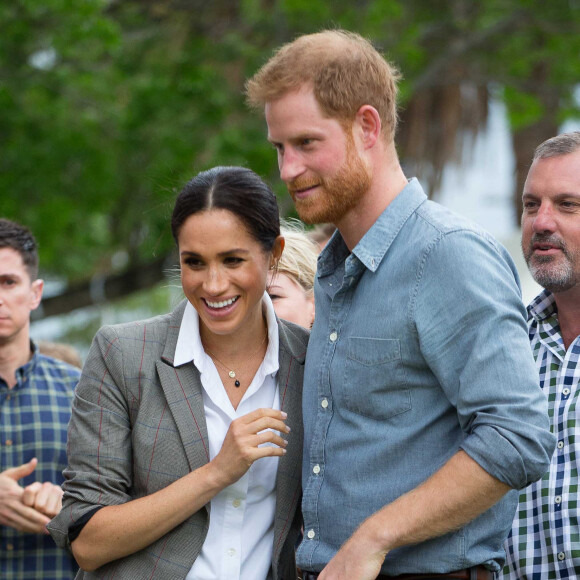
<point x="543" y="306"/>
<point x="24" y="372"/>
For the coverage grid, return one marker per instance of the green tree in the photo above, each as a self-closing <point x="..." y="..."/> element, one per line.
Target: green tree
<point x="107" y="107"/>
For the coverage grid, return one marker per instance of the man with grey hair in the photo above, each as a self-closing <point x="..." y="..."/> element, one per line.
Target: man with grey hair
<point x="545" y="538"/>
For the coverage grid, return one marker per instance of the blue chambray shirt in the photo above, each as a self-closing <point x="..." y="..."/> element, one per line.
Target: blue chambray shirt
<point x="419" y="349"/>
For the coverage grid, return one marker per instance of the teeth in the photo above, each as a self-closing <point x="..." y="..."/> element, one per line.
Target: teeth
<point x="221" y="304"/>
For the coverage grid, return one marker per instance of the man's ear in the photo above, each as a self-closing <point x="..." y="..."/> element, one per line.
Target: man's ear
<point x="368" y="122"/>
<point x="36" y="289"/>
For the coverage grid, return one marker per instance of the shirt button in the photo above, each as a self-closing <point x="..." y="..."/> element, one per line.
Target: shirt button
<point x="237" y="503"/>
<point x="8" y="397"/>
<point x="231" y="552"/>
<point x="373" y="262"/>
<point x="324" y="403"/>
<point x="333" y="336"/>
<point x="8" y="442"/>
<point x="560" y="444"/>
<point x="310" y="534"/>
<point x="316" y="469"/>
<point x="558" y="499"/>
<point x="565" y="392"/>
<point x="10" y="547"/>
<point x="561" y="556"/>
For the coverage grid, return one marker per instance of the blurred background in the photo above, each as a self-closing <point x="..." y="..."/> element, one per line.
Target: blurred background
<point x="107" y="107"/>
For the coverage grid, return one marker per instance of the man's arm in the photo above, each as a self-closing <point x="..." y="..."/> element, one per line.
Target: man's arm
<point x="450" y="498"/>
<point x="474" y="338"/>
<point x="27" y="509"/>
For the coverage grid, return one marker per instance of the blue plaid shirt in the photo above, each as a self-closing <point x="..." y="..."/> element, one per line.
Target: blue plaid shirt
<point x="34" y="417"/>
<point x="544" y="543"/>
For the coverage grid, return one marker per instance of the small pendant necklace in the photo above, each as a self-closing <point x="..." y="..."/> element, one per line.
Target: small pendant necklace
<point x="229" y="369"/>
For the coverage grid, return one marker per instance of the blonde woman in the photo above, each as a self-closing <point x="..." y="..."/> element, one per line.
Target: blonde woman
<point x="291" y="285"/>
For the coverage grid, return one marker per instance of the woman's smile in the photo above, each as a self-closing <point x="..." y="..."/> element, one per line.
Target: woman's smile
<point x="223" y="272"/>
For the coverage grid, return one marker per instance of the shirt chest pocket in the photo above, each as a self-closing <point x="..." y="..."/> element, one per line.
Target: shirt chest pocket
<point x="374" y="378"/>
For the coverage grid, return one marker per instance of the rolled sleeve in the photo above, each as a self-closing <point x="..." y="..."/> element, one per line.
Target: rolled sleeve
<point x="473" y="333"/>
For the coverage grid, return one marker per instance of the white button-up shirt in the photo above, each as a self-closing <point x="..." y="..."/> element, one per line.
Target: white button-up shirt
<point x="240" y="538"/>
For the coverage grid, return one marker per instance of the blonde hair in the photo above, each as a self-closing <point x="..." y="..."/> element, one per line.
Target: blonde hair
<point x="300" y="253"/>
<point x="344" y="70"/>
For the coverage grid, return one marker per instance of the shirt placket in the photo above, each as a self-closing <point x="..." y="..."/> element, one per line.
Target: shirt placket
<point x="235" y="506"/>
<point x="343" y="286"/>
<point x="564" y="425"/>
<point x="567" y="490"/>
<point x="12" y="443"/>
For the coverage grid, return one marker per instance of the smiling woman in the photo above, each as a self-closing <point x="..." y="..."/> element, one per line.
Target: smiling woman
<point x="291" y="284"/>
<point x="199" y="411"/>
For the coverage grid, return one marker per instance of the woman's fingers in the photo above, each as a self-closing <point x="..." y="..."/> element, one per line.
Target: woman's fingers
<point x="263" y="413"/>
<point x="261" y="419"/>
<point x="245" y="439"/>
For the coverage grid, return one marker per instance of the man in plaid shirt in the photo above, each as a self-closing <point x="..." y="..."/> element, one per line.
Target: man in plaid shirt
<point x="35" y="399"/>
<point x="545" y="539"/>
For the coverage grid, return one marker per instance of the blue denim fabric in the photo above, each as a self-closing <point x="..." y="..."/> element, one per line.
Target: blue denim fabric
<point x="419" y="348"/>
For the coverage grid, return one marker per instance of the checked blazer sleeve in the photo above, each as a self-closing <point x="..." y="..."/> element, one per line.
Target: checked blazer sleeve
<point x="124" y="441"/>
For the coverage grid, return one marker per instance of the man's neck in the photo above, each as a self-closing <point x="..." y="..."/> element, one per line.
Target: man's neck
<point x="14" y="354"/>
<point x="387" y="182"/>
<point x="568" y="304"/>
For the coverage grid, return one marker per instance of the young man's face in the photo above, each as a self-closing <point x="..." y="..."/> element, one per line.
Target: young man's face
<point x="317" y="158"/>
<point x="19" y="295"/>
<point x="551" y="222"/>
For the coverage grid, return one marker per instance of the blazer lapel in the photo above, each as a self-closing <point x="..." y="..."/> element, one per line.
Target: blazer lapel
<point x="183" y="391"/>
<point x="288" y="482"/>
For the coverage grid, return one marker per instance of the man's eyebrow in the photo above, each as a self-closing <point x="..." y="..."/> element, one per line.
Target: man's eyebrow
<point x="557" y="197"/>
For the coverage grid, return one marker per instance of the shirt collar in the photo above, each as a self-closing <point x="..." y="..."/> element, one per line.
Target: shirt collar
<point x="24" y="372"/>
<point x="373" y="246"/>
<point x="543" y="306"/>
<point x="190" y="349"/>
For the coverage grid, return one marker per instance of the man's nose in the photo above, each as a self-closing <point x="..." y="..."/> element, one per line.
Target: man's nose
<point x="544" y="221"/>
<point x="290" y="165"/>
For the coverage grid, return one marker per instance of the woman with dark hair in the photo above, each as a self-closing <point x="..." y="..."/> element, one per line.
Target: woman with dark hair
<point x="185" y="442"/>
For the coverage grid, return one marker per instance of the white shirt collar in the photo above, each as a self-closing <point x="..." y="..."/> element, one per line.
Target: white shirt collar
<point x="189" y="347"/>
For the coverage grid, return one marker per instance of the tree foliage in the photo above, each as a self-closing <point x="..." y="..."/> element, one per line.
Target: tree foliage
<point x="107" y="107"/>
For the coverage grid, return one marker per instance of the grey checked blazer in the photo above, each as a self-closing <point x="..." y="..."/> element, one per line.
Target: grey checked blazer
<point x="138" y="424"/>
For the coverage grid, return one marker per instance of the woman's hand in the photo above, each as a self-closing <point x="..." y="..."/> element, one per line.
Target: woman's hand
<point x="119" y="530"/>
<point x="241" y="445"/>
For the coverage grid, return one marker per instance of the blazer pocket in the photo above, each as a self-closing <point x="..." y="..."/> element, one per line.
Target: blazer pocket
<point x="374" y="379"/>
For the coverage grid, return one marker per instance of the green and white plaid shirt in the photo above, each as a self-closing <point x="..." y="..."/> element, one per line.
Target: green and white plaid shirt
<point x="545" y="539"/>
